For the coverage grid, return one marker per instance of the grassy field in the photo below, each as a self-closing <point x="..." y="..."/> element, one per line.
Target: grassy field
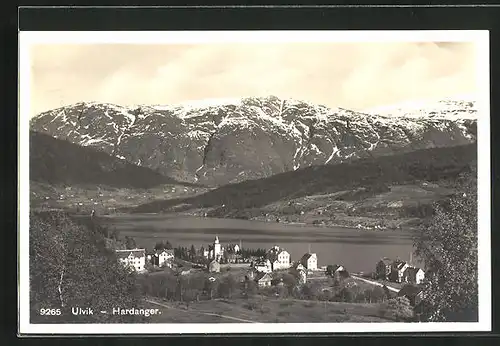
<point x="266" y="310"/>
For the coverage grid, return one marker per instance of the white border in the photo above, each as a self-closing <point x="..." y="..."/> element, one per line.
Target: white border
<point x="481" y="38"/>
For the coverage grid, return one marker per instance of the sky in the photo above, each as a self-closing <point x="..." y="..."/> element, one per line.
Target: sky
<point x="358" y="76"/>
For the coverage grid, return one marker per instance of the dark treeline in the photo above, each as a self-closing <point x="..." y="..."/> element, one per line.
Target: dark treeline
<point x="163" y="245"/>
<point x="247" y="253"/>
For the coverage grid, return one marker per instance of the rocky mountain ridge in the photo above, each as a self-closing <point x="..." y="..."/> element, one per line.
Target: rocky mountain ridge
<point x="228" y="141"/>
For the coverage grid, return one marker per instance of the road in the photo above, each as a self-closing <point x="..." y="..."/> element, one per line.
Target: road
<point x="200" y="312"/>
<point x="375" y="283"/>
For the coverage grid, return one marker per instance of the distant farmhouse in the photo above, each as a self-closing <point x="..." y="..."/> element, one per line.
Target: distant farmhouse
<point x="134" y="259"/>
<point x="413" y="293"/>
<point x="334" y="269"/>
<point x="263" y="279"/>
<point x="383" y="269"/>
<point x="279" y="258"/>
<point x="264" y="266"/>
<point x="301" y="272"/>
<point x="398" y="271"/>
<point x="162" y="258"/>
<point x="310" y="261"/>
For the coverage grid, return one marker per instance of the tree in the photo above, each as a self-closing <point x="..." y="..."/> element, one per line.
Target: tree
<point x="68" y="265"/>
<point x="227" y="286"/>
<point x="211" y="287"/>
<point x="249" y="288"/>
<point x="330" y="270"/>
<point x="387" y="292"/>
<point x="448" y="246"/>
<point x="377" y="294"/>
<point x="398" y="308"/>
<point x="346" y="295"/>
<point x="192" y="252"/>
<point x="168" y="246"/>
<point x="159" y="246"/>
<point x="115" y="234"/>
<point x="130" y="242"/>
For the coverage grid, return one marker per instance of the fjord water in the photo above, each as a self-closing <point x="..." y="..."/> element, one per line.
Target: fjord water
<point x="357" y="250"/>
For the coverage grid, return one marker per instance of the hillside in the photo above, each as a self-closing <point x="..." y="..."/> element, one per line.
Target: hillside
<point x="397" y="186"/>
<point x="68" y="265"/>
<point x="56" y="161"/>
<point x="229" y="141"/>
<point x="63" y="174"/>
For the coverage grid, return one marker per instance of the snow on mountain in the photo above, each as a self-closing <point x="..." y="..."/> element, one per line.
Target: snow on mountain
<point x="459" y="107"/>
<point x="224" y="141"/>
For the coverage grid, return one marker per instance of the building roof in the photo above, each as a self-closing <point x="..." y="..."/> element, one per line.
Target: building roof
<point x="411" y="271"/>
<point x="263" y="277"/>
<point x="169" y="251"/>
<point x="386" y="261"/>
<point x="306" y="257"/>
<point x="134" y="252"/>
<point x="262" y="262"/>
<point x="398" y="264"/>
<point x="409" y="291"/>
<point x="337" y="266"/>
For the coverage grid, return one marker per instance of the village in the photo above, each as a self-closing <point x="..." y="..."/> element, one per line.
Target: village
<point x="266" y="268"/>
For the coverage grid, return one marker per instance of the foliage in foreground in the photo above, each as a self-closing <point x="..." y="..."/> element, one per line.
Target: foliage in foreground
<point x="70" y="268"/>
<point x="449" y="246"/>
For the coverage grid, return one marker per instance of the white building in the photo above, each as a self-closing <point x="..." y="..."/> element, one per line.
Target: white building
<point x="264" y="266"/>
<point x="282" y="261"/>
<point x="279" y="258"/>
<point x="397" y="271"/>
<point x="413" y="275"/>
<point x="310" y="261"/>
<point x="133" y="258"/>
<point x="165" y="257"/>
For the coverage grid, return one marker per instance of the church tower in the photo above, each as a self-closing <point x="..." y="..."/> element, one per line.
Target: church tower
<point x="217" y="251"/>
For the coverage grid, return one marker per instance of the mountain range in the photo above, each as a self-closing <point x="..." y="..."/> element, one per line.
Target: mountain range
<point x="229" y="141"/>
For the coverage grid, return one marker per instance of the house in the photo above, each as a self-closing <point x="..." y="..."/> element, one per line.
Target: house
<point x="310" y="261"/>
<point x="214" y="267"/>
<point x="263" y="279"/>
<point x="397" y="270"/>
<point x="233" y="248"/>
<point x="263" y="266"/>
<point x="302" y="274"/>
<point x="413" y="275"/>
<point x="279" y="258"/>
<point x="132" y="258"/>
<point x="383" y="269"/>
<point x="413" y="293"/>
<point x="333" y="269"/>
<point x="298" y="266"/>
<point x="164" y="257"/>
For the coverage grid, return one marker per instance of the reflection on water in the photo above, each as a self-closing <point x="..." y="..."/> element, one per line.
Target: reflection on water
<point x="358" y="250"/>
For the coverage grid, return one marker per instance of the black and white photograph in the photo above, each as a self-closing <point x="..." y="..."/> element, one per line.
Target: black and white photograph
<point x="254" y="182"/>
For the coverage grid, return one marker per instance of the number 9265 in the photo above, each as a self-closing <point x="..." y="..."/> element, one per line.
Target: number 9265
<point x="50" y="312"/>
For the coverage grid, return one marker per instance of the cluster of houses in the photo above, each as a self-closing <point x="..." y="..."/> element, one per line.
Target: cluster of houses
<point x="138" y="258"/>
<point x="399" y="271"/>
<point x="275" y="259"/>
